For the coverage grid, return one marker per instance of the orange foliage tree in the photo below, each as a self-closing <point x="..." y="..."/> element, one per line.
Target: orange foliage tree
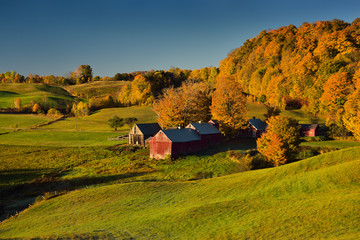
<point x="189" y="103"/>
<point x="280" y="141"/>
<point x="351" y="117"/>
<point x="228" y="105"/>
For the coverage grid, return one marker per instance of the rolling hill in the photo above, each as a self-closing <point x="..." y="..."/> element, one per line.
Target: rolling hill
<point x="314" y="198"/>
<point x="96" y="89"/>
<point x="40" y="93"/>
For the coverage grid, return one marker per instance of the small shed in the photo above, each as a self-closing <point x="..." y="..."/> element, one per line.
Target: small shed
<point x="256" y="127"/>
<point x="309" y="130"/>
<point x="142" y="131"/>
<point x="210" y="135"/>
<point x="174" y="142"/>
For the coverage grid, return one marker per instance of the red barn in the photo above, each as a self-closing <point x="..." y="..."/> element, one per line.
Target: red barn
<point x="174" y="142"/>
<point x="309" y="130"/>
<point x="210" y="135"/>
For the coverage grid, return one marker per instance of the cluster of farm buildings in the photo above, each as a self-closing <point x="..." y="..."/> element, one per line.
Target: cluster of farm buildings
<point x="194" y="137"/>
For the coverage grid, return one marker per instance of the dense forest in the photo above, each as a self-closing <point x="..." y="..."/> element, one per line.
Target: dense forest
<point x="315" y="67"/>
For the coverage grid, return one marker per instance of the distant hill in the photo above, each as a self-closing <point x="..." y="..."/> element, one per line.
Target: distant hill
<point x="97" y="89"/>
<point x="310" y="199"/>
<point x="51" y="96"/>
<point x="316" y="65"/>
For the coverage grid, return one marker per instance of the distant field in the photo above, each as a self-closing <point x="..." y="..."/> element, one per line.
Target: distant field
<point x="98" y="121"/>
<point x="58" y="138"/>
<point x="97" y="89"/>
<point x="258" y="110"/>
<point x="316" y="198"/>
<point x="54" y="96"/>
<point x="332" y="143"/>
<point x="8" y="121"/>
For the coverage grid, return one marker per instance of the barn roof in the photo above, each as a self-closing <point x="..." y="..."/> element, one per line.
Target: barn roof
<point x="182" y="135"/>
<point x="148" y="128"/>
<point x="205" y="128"/>
<point x="258" y="124"/>
<point x="307" y="127"/>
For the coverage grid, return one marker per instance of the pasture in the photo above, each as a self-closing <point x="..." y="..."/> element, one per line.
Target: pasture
<point x="41" y="93"/>
<point x="21" y="121"/>
<point x="97" y="89"/>
<point x="98" y="121"/>
<point x="314" y="198"/>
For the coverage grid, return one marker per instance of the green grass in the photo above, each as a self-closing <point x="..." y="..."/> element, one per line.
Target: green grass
<point x="55" y="96"/>
<point x="58" y="138"/>
<point x="258" y="110"/>
<point x="332" y="144"/>
<point x="8" y="121"/>
<point x="98" y="121"/>
<point x="97" y="89"/>
<point x="311" y="199"/>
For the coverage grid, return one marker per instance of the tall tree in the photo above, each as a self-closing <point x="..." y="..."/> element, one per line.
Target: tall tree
<point x="228" y="105"/>
<point x="351" y="116"/>
<point x="82" y="74"/>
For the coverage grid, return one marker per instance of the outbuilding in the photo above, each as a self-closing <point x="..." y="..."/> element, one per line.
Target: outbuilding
<point x="256" y="127"/>
<point x="209" y="134"/>
<point x="174" y="142"/>
<point x="140" y="132"/>
<point x="309" y="130"/>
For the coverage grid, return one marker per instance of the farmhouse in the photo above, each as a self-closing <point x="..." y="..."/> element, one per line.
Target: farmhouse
<point x="140" y="132"/>
<point x="210" y="135"/>
<point x="309" y="130"/>
<point x="174" y="142"/>
<point x="256" y="127"/>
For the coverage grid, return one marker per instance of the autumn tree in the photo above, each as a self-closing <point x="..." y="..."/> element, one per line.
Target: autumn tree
<point x="189" y="103"/>
<point x="280" y="141"/>
<point x="82" y="74"/>
<point x="36" y="108"/>
<point x="228" y="105"/>
<point x="17" y="103"/>
<point x="351" y="117"/>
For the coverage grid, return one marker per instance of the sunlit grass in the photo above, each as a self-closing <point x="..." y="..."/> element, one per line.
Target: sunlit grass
<point x="11" y="121"/>
<point x="310" y="199"/>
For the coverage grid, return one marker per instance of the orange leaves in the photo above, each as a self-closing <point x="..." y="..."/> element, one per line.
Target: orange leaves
<point x="280" y="141"/>
<point x="228" y="105"/>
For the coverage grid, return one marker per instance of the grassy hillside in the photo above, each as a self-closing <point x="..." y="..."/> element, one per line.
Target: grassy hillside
<point x="98" y="121"/>
<point x="96" y="89"/>
<point x="58" y="138"/>
<point x="8" y="121"/>
<point x="54" y="96"/>
<point x="315" y="198"/>
<point x="258" y="110"/>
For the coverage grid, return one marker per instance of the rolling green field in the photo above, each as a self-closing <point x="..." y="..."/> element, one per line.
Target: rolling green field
<point x="98" y="121"/>
<point x="310" y="199"/>
<point x="97" y="89"/>
<point x="332" y="144"/>
<point x="8" y="121"/>
<point x="59" y="138"/>
<point x="52" y="95"/>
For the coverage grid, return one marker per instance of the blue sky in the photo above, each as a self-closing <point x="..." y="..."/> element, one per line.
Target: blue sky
<point x="55" y="36"/>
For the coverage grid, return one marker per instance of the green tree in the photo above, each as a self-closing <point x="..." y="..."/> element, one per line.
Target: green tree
<point x="82" y="74"/>
<point x="116" y="122"/>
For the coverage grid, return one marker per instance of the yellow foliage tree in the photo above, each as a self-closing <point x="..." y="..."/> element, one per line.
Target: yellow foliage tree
<point x="228" y="105"/>
<point x="351" y="117"/>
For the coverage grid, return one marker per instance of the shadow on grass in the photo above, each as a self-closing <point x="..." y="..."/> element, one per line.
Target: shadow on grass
<point x="240" y="144"/>
<point x="15" y="198"/>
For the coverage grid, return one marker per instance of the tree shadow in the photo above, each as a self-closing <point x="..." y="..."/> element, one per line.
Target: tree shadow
<point x="239" y="144"/>
<point x="16" y="198"/>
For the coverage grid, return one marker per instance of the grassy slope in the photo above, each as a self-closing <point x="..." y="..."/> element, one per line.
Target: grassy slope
<point x="314" y="198"/>
<point x="98" y="121"/>
<point x="97" y="89"/>
<point x="56" y="96"/>
<point x="7" y="121"/>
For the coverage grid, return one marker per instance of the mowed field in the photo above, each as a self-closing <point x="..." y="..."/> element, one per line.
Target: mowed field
<point x="92" y="130"/>
<point x="52" y="95"/>
<point x="317" y="198"/>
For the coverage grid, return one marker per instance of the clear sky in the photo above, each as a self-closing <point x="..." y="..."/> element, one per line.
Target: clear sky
<point x="55" y="36"/>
